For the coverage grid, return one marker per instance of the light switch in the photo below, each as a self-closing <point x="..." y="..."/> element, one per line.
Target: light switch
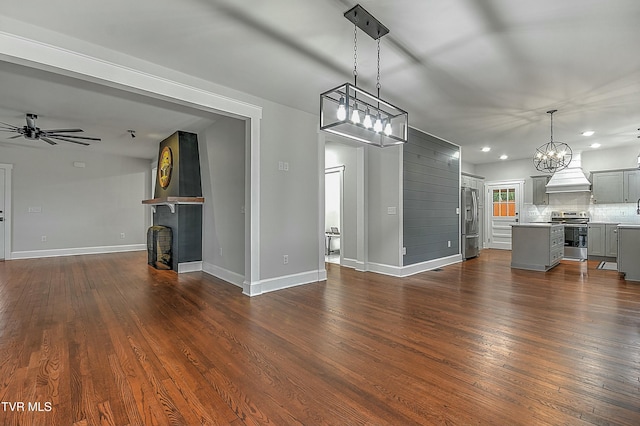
<point x="391" y="210"/>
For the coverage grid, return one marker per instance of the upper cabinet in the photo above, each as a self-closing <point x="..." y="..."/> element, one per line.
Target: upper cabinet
<point x="540" y="196"/>
<point x="631" y="185"/>
<point x="607" y="187"/>
<point x="616" y="186"/>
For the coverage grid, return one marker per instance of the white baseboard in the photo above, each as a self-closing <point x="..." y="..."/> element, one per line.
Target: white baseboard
<point x="279" y="283"/>
<point x="33" y="254"/>
<point x="224" y="274"/>
<point x="189" y="267"/>
<point x="430" y="265"/>
<point x="402" y="271"/>
<point x="380" y="268"/>
<point x="353" y="263"/>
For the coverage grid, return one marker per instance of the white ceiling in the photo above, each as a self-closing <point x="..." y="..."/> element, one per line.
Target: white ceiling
<point x="476" y="73"/>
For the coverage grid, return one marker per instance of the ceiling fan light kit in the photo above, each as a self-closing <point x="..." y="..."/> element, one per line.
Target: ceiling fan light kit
<point x="552" y="156"/>
<point x="349" y="111"/>
<point x="33" y="132"/>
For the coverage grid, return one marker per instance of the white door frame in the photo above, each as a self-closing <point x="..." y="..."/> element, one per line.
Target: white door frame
<point x="7" y="210"/>
<point x="61" y="61"/>
<point x="488" y="213"/>
<point x="340" y="171"/>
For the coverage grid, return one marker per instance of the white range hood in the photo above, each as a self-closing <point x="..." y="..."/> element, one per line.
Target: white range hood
<point x="570" y="179"/>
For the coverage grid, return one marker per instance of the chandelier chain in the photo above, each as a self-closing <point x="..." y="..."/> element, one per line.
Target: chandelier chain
<point x="378" y="83"/>
<point x="355" y="53"/>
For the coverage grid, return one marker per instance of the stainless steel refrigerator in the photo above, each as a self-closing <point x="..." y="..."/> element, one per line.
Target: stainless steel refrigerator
<point x="470" y="241"/>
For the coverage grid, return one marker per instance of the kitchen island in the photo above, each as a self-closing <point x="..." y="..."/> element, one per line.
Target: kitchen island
<point x="536" y="246"/>
<point x="629" y="251"/>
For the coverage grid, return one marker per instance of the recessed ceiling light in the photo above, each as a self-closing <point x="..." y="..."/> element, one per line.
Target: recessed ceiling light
<point x="504" y="157"/>
<point x="486" y="149"/>
<point x="595" y="145"/>
<point x="588" y="133"/>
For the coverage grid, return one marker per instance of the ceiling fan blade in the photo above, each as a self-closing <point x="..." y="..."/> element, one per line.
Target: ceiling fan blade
<point x="14" y="137"/>
<point x="49" y="141"/>
<point x="71" y="136"/>
<point x="65" y="139"/>
<point x="63" y="131"/>
<point x="10" y="126"/>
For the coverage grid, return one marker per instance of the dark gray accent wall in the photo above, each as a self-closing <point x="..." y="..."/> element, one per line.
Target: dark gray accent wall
<point x="431" y="195"/>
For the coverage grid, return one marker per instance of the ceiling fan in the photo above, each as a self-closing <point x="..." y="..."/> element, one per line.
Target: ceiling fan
<point x="31" y="131"/>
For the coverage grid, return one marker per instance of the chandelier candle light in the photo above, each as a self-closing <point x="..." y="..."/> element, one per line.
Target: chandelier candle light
<point x="341" y="108"/>
<point x="552" y="156"/>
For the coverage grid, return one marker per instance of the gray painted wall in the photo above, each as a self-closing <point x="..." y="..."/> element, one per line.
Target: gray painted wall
<point x="222" y="161"/>
<point x="80" y="207"/>
<point x="431" y="188"/>
<point x="290" y="206"/>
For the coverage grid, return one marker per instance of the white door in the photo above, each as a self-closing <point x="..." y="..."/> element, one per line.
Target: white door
<point x="502" y="208"/>
<point x="2" y="213"/>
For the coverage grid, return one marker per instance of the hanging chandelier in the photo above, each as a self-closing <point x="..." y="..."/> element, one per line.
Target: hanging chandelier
<point x="349" y="111"/>
<point x="552" y="156"/>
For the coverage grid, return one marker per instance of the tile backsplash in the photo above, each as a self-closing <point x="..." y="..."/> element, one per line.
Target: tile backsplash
<point x="581" y="201"/>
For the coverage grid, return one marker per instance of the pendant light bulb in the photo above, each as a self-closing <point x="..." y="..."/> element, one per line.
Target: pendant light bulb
<point x="377" y="126"/>
<point x="342" y="111"/>
<point x="387" y="129"/>
<point x="367" y="120"/>
<point x="355" y="117"/>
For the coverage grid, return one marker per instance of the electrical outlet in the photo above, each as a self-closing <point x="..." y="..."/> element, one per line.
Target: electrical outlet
<point x="286" y="166"/>
<point x="44" y="238"/>
<point x="404" y="251"/>
<point x="285" y="259"/>
<point x="448" y="243"/>
<point x="122" y="235"/>
<point x="280" y="165"/>
<point x="220" y="251"/>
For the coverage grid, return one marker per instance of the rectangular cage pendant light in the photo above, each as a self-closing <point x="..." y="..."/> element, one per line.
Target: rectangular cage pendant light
<point x="344" y="109"/>
<point x="349" y="111"/>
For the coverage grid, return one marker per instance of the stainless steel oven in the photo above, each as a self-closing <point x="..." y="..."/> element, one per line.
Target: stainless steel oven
<point x="575" y="233"/>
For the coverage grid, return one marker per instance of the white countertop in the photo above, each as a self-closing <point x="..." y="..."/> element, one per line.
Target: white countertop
<point x="629" y="225"/>
<point x="537" y="224"/>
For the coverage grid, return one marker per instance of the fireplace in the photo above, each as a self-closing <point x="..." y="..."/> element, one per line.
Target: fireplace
<point x="177" y="202"/>
<point x="159" y="241"/>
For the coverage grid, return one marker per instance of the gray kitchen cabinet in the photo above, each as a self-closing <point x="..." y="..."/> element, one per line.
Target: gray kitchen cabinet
<point x="628" y="249"/>
<point x="596" y="239"/>
<point x="607" y="187"/>
<point x="536" y="246"/>
<point x="631" y="185"/>
<point x="539" y="186"/>
<point x="602" y="240"/>
<point x="611" y="240"/>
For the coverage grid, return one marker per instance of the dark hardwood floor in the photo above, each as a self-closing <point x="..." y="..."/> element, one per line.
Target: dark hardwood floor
<point x="105" y="339"/>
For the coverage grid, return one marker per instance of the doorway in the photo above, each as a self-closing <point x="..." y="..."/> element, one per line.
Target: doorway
<point x="5" y="211"/>
<point x="333" y="213"/>
<point x="504" y="201"/>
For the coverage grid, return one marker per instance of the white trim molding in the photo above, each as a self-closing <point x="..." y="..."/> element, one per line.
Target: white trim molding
<point x="189" y="267"/>
<point x="279" y="283"/>
<point x="34" y="254"/>
<point x="224" y="274"/>
<point x="402" y="271"/>
<point x="430" y="265"/>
